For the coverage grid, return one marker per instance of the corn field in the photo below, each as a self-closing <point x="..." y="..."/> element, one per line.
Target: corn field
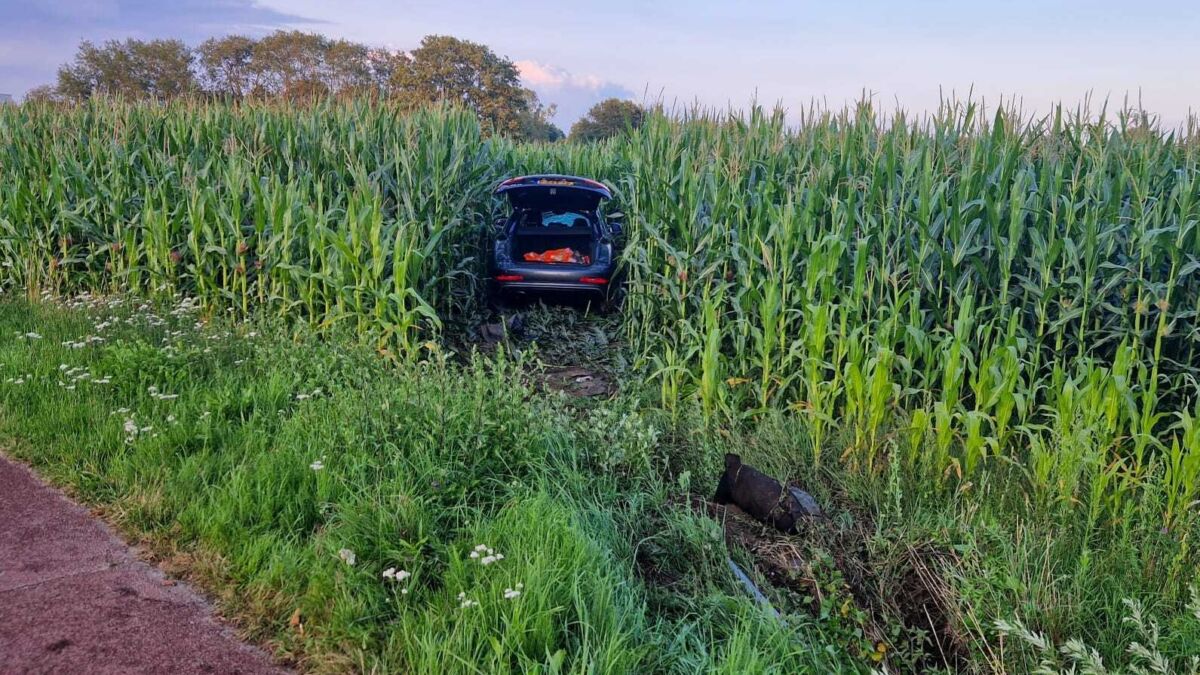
<point x="948" y="292"/>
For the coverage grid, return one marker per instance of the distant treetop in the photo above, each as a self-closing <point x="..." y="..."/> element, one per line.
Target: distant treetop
<point x="608" y="118"/>
<point x="299" y="66"/>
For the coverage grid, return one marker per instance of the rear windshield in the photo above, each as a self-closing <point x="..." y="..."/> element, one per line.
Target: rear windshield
<point x="559" y="220"/>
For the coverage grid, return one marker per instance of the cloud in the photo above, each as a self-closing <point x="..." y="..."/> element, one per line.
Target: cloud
<point x="573" y="94"/>
<point x="39" y="37"/>
<point x="552" y="77"/>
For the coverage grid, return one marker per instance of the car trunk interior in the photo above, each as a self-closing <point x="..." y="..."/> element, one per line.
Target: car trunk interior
<point x="583" y="244"/>
<point x="530" y="237"/>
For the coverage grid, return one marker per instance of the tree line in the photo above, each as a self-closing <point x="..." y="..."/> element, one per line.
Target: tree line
<point x="299" y="66"/>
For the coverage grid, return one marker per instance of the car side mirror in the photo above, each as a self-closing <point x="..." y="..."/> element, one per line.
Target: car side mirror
<point x="617" y="227"/>
<point x="498" y="223"/>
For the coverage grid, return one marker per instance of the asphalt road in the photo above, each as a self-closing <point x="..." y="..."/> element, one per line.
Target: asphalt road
<point x="75" y="599"/>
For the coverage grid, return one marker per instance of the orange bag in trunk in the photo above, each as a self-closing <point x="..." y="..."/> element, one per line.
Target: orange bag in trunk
<point x="556" y="255"/>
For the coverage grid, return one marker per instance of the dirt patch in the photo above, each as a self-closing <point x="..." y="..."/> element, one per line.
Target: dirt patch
<point x="576" y="351"/>
<point x="825" y="569"/>
<point x="925" y="603"/>
<point x="578" y="381"/>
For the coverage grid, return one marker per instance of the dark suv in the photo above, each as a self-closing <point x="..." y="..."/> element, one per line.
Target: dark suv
<point x="554" y="239"/>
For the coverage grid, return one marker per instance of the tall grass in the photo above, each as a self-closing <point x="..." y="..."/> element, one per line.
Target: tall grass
<point x="952" y="292"/>
<point x="980" y="302"/>
<point x="338" y="214"/>
<point x="961" y="281"/>
<point x="256" y="461"/>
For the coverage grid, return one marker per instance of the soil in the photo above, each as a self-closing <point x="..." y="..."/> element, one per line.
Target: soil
<point x="579" y="381"/>
<point x="909" y="592"/>
<point x="575" y="347"/>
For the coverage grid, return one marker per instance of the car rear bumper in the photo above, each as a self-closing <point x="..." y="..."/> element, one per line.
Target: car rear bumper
<point x="517" y="287"/>
<point x="576" y="279"/>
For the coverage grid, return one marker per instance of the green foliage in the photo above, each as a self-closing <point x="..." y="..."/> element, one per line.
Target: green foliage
<point x="447" y="69"/>
<point x="157" y="69"/>
<point x="535" y="121"/>
<point x="227" y="65"/>
<point x="608" y="118"/>
<point x="262" y="462"/>
<point x="308" y="67"/>
<point x="985" y="327"/>
<point x="1144" y="648"/>
<point x="294" y="65"/>
<point x="281" y="221"/>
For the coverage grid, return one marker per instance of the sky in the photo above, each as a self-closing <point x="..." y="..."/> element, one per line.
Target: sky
<point x="716" y="54"/>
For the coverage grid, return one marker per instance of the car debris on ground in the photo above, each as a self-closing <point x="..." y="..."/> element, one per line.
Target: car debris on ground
<point x="763" y="497"/>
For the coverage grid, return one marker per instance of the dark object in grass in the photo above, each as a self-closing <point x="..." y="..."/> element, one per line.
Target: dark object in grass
<point x="497" y="331"/>
<point x="763" y="497"/>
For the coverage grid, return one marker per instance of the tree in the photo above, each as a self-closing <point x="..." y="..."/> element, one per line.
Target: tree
<point x="383" y="65"/>
<point x="290" y="63"/>
<point x="535" y="122"/>
<point x="226" y="65"/>
<point x="300" y="65"/>
<point x="444" y="68"/>
<point x="348" y="68"/>
<point x="165" y="68"/>
<point x="44" y="93"/>
<point x="158" y="69"/>
<point x="607" y="119"/>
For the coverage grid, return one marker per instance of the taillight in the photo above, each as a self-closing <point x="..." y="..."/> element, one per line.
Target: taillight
<point x="509" y="277"/>
<point x="596" y="281"/>
<point x="594" y="184"/>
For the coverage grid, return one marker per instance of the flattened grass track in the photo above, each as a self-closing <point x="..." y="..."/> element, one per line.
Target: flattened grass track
<point x="75" y="598"/>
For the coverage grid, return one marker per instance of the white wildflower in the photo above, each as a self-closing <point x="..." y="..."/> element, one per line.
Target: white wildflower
<point x="511" y="593"/>
<point x="317" y="465"/>
<point x="347" y="556"/>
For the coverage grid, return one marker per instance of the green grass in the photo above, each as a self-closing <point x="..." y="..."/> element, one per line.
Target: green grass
<point x="424" y="460"/>
<point x="977" y="334"/>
